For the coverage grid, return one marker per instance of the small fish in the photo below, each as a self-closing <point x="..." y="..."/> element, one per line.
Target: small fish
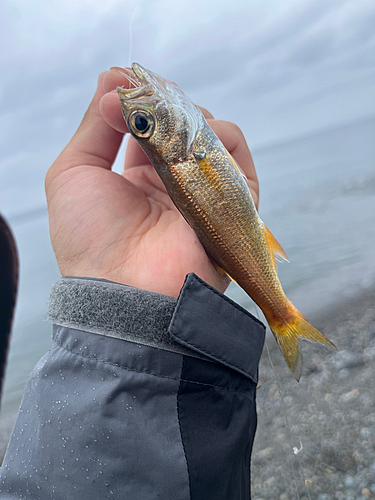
<point x="208" y="188"/>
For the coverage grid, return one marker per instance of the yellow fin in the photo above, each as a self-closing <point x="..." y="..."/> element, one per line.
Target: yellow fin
<point x="223" y="274"/>
<point x="277" y="251"/>
<point x="287" y="334"/>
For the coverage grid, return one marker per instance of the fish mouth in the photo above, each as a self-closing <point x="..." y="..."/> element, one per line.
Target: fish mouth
<point x="140" y="73"/>
<point x="140" y="84"/>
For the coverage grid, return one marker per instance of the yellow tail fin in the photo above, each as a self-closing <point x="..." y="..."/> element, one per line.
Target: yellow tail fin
<point x="287" y="334"/>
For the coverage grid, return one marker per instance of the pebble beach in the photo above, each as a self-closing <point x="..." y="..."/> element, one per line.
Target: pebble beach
<point x="316" y="438"/>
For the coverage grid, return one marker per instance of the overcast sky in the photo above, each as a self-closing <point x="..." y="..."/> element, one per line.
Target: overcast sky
<point x="278" y="68"/>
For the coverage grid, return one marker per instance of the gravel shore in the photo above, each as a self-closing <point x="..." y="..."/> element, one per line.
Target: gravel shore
<point x="329" y="417"/>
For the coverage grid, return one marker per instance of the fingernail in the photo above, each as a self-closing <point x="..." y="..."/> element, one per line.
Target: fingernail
<point x="240" y="169"/>
<point x="101" y="80"/>
<point x="128" y="74"/>
<point x="122" y="71"/>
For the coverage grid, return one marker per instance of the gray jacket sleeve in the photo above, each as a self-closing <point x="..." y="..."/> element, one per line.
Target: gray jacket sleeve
<point x="141" y="396"/>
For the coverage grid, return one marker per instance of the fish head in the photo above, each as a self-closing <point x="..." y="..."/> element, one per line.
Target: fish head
<point x="159" y="116"/>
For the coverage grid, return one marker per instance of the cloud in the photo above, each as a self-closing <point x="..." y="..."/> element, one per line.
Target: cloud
<point x="267" y="66"/>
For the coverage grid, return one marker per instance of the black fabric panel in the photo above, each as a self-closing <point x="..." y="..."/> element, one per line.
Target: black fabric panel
<point x="232" y="336"/>
<point x="217" y="428"/>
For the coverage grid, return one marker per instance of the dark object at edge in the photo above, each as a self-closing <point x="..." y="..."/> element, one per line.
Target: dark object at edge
<point x="8" y="291"/>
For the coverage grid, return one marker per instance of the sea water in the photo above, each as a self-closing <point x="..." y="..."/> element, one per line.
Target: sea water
<point x="317" y="198"/>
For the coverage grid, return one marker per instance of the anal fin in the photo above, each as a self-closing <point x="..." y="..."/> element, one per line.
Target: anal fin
<point x="277" y="251"/>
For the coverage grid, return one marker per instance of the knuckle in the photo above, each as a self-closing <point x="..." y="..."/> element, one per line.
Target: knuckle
<point x="235" y="129"/>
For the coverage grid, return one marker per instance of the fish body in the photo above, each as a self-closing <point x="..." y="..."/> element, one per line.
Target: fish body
<point x="208" y="188"/>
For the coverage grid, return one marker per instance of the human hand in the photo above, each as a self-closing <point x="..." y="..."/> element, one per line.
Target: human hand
<point x="125" y="228"/>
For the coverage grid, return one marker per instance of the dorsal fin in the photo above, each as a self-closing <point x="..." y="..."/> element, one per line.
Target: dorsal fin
<point x="277" y="252"/>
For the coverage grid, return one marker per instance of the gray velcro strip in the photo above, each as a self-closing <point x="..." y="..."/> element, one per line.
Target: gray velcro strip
<point x="115" y="310"/>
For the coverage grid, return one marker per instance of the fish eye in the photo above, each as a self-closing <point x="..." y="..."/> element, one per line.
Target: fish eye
<point x="141" y="124"/>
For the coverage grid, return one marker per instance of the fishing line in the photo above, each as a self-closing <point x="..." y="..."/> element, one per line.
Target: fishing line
<point x="131" y="23"/>
<point x="285" y="416"/>
<point x="296" y="450"/>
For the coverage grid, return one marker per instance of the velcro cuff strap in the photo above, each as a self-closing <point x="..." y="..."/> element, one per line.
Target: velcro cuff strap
<point x="232" y="336"/>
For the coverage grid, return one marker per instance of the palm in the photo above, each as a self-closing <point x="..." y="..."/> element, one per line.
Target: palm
<point x="125" y="227"/>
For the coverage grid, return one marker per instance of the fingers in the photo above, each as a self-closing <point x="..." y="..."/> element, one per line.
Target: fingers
<point x="134" y="155"/>
<point x="206" y="113"/>
<point x="110" y="106"/>
<point x="95" y="142"/>
<point x="110" y="109"/>
<point x="234" y="141"/>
